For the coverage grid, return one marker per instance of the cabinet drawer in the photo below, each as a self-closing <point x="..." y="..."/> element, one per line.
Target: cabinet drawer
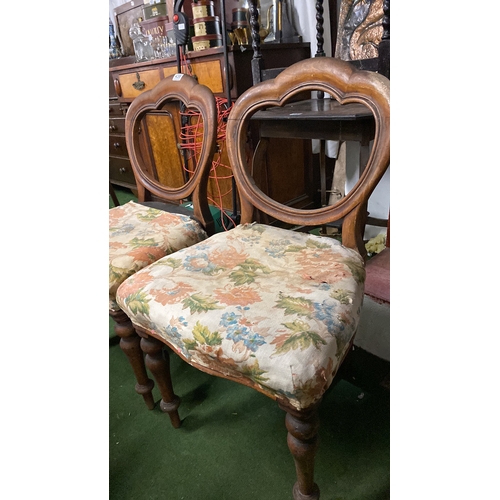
<point x="208" y="73"/>
<point x="117" y="125"/>
<point x="118" y="109"/>
<point x="120" y="171"/>
<point x="118" y="146"/>
<point x="134" y="84"/>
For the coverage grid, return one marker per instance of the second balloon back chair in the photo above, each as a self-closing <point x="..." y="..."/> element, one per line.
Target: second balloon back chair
<point x="160" y="224"/>
<point x="270" y="307"/>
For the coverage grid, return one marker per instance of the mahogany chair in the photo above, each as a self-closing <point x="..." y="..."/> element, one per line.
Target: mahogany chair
<point x="268" y="307"/>
<point x="158" y="225"/>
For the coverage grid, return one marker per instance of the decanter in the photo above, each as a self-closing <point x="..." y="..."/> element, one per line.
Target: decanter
<point x="114" y="47"/>
<point x="142" y="43"/>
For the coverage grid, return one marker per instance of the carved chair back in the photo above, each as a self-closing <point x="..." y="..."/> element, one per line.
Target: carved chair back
<point x="159" y="118"/>
<point x="345" y="84"/>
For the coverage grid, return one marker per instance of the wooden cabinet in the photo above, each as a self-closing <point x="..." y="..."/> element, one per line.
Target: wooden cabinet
<point x="120" y="169"/>
<point x="130" y="79"/>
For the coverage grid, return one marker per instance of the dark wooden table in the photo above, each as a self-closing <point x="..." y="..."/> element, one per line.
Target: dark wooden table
<point x="323" y="119"/>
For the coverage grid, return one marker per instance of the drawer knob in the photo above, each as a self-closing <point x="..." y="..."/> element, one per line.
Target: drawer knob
<point x="116" y="145"/>
<point x="122" y="170"/>
<point x="118" y="87"/>
<point x="112" y="127"/>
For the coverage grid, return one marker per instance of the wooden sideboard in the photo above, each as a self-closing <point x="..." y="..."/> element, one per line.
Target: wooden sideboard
<point x="129" y="79"/>
<point x="207" y="65"/>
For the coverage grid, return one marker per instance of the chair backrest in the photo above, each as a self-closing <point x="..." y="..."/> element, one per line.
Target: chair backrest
<point x="174" y="122"/>
<point x="345" y="84"/>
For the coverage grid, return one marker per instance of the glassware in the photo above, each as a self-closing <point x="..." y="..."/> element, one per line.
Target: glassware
<point x="142" y="43"/>
<point x="114" y="48"/>
<point x="163" y="46"/>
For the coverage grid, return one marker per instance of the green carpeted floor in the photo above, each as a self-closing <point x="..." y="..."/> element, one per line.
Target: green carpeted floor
<point x="123" y="196"/>
<point x="232" y="442"/>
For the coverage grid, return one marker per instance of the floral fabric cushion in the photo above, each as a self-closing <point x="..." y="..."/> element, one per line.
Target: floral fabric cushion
<point x="139" y="235"/>
<point x="272" y="308"/>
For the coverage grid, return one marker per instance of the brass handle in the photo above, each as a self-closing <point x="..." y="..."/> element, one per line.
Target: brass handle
<point x="139" y="84"/>
<point x="122" y="170"/>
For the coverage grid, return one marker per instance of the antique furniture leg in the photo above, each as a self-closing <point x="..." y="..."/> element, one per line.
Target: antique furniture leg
<point x="130" y="345"/>
<point x="158" y="362"/>
<point x="302" y="441"/>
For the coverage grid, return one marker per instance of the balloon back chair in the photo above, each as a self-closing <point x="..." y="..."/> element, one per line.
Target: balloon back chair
<point x="268" y="306"/>
<point x="160" y="224"/>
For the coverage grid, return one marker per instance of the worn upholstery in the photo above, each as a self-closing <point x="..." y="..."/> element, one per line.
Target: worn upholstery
<point x="275" y="307"/>
<point x="139" y="235"/>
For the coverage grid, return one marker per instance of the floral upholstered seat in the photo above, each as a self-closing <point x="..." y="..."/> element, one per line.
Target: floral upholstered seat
<point x="140" y="235"/>
<point x="275" y="307"/>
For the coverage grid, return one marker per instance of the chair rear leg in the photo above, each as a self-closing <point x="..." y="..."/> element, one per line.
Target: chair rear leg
<point x="130" y="344"/>
<point x="302" y="442"/>
<point x="158" y="362"/>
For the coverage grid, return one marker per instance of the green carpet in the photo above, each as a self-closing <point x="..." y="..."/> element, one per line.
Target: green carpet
<point x="232" y="442"/>
<point x="123" y="194"/>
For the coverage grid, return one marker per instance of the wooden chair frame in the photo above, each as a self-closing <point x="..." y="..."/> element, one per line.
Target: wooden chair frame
<point x="346" y="84"/>
<point x="185" y="89"/>
<point x="342" y="81"/>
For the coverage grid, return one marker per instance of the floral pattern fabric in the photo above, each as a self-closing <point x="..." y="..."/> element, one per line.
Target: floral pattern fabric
<point x="140" y="235"/>
<point x="276" y="307"/>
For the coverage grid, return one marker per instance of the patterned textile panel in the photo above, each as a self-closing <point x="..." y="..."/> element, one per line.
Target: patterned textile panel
<point x="246" y="302"/>
<point x="139" y="235"/>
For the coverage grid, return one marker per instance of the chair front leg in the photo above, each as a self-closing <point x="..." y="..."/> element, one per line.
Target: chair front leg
<point x="158" y="362"/>
<point x="302" y="442"/>
<point x="130" y="344"/>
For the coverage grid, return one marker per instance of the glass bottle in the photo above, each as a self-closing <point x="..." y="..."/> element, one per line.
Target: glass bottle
<point x="114" y="47"/>
<point x="142" y="43"/>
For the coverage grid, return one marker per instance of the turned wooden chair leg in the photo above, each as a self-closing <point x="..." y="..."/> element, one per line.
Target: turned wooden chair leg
<point x="158" y="362"/>
<point x="130" y="344"/>
<point x="302" y="442"/>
